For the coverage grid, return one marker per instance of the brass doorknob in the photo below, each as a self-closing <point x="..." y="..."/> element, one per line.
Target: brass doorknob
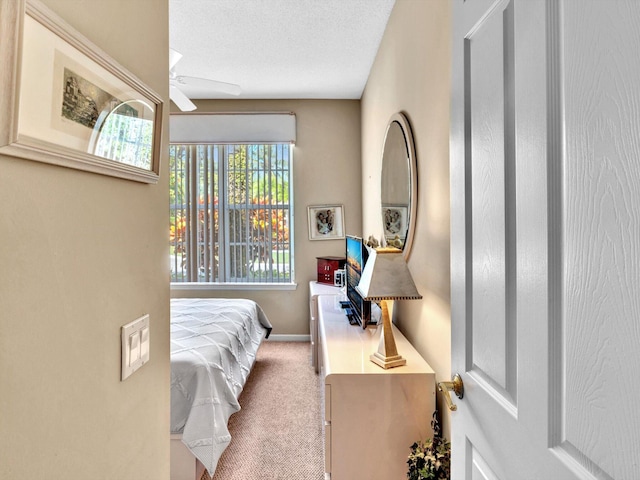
<point x="456" y="386"/>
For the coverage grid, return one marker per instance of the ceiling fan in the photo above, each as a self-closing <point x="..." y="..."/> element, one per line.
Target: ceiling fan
<point x="176" y="82"/>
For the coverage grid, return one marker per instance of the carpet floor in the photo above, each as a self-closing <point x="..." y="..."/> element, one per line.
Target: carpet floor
<point x="277" y="434"/>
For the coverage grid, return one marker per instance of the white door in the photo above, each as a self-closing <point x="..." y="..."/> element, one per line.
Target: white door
<point x="545" y="172"/>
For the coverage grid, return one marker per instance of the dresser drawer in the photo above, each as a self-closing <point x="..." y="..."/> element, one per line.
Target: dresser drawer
<point x="327" y="429"/>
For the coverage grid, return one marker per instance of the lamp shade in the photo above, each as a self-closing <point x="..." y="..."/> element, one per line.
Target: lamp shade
<point x="387" y="277"/>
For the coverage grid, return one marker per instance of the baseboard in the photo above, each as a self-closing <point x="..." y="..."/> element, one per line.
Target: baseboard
<point x="289" y="338"/>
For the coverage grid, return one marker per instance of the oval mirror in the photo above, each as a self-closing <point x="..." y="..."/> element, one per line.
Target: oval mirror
<point x="398" y="184"/>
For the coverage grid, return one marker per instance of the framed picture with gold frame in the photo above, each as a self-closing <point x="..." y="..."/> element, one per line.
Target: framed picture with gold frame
<point x="64" y="101"/>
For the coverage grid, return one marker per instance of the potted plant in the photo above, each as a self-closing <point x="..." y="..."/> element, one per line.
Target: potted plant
<point x="430" y="459"/>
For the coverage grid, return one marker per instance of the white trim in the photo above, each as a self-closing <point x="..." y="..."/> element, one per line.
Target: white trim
<point x="198" y="287"/>
<point x="289" y="338"/>
<point x="247" y="127"/>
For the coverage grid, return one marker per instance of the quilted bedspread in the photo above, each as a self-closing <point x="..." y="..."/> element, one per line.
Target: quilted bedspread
<point x="213" y="347"/>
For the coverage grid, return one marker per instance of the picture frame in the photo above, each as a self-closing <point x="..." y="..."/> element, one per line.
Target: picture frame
<point x="65" y="102"/>
<point x="326" y="222"/>
<point x="395" y="221"/>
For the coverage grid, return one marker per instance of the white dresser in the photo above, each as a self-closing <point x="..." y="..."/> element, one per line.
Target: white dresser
<point x="372" y="416"/>
<point x="315" y="289"/>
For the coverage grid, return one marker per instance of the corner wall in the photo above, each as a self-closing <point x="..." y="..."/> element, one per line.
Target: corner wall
<point x="411" y="74"/>
<point x="83" y="254"/>
<point x="326" y="170"/>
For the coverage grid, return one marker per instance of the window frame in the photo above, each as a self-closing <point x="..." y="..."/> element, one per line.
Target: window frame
<point x="223" y="215"/>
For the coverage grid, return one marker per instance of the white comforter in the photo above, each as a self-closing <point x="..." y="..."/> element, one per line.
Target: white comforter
<point x="213" y="347"/>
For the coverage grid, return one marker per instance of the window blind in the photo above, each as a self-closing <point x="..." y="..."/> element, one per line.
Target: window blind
<point x="250" y="127"/>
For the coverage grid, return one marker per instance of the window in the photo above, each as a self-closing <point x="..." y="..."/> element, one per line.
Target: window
<point x="126" y="137"/>
<point x="231" y="213"/>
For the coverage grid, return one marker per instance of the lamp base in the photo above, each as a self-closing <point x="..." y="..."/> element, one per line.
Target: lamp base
<point x="387" y="355"/>
<point x="387" y="362"/>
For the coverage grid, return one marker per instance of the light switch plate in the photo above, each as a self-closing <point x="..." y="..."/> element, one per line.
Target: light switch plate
<point x="144" y="344"/>
<point x="134" y="347"/>
<point x="135" y="337"/>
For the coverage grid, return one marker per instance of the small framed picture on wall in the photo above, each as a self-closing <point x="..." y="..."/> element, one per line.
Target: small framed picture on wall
<point x="326" y="222"/>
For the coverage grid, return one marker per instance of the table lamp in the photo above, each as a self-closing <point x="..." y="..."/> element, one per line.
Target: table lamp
<point x="386" y="278"/>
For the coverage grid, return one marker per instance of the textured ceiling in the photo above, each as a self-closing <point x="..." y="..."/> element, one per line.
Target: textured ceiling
<point x="278" y="48"/>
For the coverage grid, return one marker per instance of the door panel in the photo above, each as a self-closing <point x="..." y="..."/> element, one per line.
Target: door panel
<point x="545" y="189"/>
<point x="600" y="271"/>
<point x="480" y="470"/>
<point x="490" y="167"/>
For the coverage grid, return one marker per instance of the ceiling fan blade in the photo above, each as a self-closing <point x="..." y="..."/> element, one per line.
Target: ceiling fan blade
<point x="204" y="84"/>
<point x="180" y="99"/>
<point x="174" y="57"/>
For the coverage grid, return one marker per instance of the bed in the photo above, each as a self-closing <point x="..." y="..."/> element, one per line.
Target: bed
<point x="213" y="348"/>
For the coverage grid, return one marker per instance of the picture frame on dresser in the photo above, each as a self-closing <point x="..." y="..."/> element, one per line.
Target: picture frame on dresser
<point x="326" y="222"/>
<point x="66" y="102"/>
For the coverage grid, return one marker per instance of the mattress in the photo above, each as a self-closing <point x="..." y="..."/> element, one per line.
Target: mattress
<point x="213" y="347"/>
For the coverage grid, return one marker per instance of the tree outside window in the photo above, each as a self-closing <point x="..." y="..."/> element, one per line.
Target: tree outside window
<point x="230" y="213"/>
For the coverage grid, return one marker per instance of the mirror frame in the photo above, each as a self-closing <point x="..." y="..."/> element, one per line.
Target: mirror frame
<point x="401" y="119"/>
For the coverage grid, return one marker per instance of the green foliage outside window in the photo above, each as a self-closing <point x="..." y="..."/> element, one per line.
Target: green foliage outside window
<point x="255" y="225"/>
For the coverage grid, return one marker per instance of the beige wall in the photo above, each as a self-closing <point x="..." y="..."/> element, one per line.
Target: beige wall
<point x="411" y="74"/>
<point x="81" y="255"/>
<point x="327" y="170"/>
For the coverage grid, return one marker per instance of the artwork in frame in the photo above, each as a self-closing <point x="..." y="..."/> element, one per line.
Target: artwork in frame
<point x="326" y="222"/>
<point x="64" y="101"/>
<point x="394" y="222"/>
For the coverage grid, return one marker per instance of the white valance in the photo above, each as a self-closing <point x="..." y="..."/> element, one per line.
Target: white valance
<point x="254" y="127"/>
